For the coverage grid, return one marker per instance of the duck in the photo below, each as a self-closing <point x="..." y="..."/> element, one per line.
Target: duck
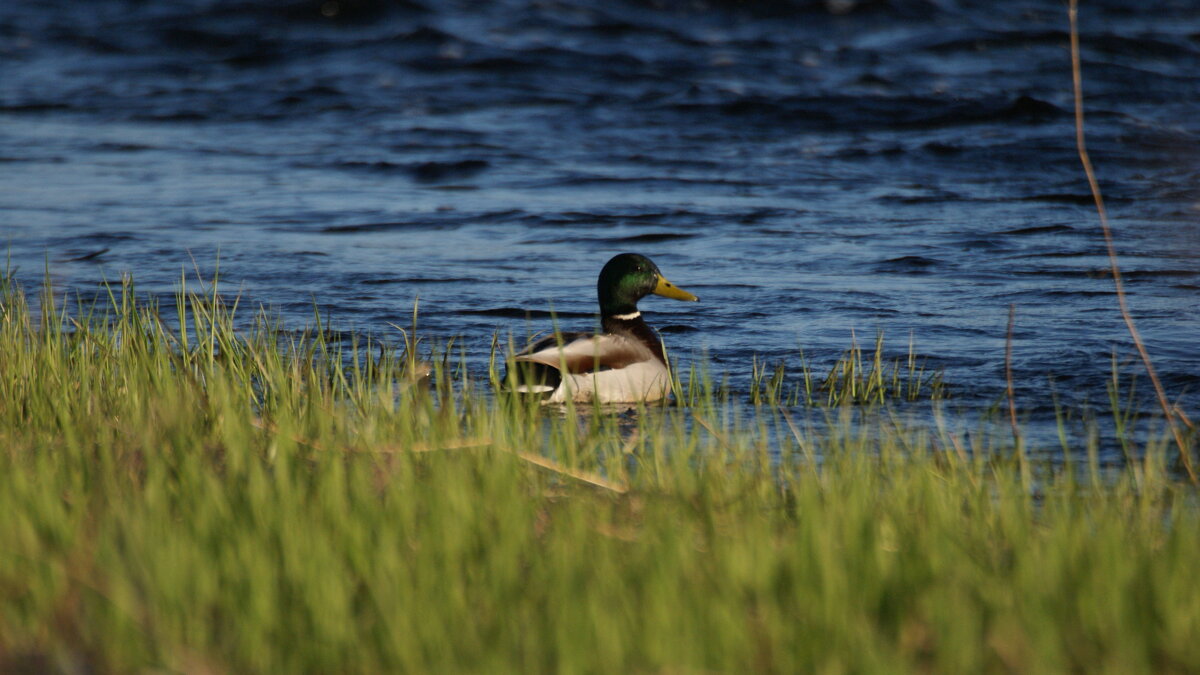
<point x="625" y="363"/>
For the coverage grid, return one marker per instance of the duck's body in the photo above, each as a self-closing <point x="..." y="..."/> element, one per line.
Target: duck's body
<point x="625" y="363"/>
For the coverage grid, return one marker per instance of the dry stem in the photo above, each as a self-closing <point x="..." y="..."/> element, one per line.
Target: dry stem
<point x="1012" y="402"/>
<point x="1077" y="80"/>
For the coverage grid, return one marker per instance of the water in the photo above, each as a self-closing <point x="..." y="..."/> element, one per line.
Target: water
<point x="808" y="169"/>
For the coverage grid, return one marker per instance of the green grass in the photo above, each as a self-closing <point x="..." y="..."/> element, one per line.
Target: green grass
<point x="212" y="500"/>
<point x="854" y="378"/>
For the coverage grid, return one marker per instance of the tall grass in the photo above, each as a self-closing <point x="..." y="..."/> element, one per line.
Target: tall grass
<point x="854" y="378"/>
<point x="179" y="496"/>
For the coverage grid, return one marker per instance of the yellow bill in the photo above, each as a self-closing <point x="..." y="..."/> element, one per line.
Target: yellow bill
<point x="670" y="290"/>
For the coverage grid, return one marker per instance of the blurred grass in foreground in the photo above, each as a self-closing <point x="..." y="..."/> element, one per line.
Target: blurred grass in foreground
<point x="263" y="501"/>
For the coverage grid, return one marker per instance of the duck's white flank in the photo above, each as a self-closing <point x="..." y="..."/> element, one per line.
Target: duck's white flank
<point x="645" y="381"/>
<point x="631" y="371"/>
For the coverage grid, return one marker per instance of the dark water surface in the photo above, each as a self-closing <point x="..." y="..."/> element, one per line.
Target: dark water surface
<point x="806" y="168"/>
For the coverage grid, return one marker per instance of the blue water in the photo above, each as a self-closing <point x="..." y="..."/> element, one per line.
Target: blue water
<point x="808" y="169"/>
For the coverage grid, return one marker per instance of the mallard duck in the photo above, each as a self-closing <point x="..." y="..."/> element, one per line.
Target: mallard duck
<point x="625" y="363"/>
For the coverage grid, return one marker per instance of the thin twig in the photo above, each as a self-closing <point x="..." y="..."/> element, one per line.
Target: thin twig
<point x="708" y="427"/>
<point x="1008" y="378"/>
<point x="808" y="453"/>
<point x="270" y="427"/>
<point x="631" y="443"/>
<point x="584" y="476"/>
<point x="1184" y="418"/>
<point x="1077" y="80"/>
<point x="457" y="444"/>
<point x="941" y="427"/>
<point x="1018" y="445"/>
<point x="462" y="443"/>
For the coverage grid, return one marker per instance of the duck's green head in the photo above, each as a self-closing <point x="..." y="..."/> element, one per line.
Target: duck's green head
<point x="629" y="277"/>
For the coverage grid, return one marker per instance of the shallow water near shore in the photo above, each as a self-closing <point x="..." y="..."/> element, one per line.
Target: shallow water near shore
<point x="905" y="167"/>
